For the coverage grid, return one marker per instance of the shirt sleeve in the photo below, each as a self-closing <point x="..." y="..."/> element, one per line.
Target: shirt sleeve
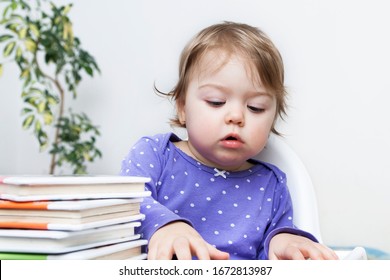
<point x="282" y="219"/>
<point x="146" y="159"/>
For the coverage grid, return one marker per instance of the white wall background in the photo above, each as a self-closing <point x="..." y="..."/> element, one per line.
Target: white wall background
<point x="337" y="63"/>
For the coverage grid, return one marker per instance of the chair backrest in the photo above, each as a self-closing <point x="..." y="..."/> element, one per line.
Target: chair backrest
<point x="302" y="192"/>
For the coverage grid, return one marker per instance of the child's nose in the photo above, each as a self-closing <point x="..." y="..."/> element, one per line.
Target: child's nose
<point x="235" y="115"/>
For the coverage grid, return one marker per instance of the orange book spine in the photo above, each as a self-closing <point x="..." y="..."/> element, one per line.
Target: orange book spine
<point x="23" y="225"/>
<point x="33" y="205"/>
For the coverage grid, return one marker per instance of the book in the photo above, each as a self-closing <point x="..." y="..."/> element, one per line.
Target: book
<point x="82" y="217"/>
<point x="69" y="208"/>
<point x="56" y="242"/>
<point x="30" y="188"/>
<point x="45" y="223"/>
<point x="68" y="215"/>
<point x="119" y="251"/>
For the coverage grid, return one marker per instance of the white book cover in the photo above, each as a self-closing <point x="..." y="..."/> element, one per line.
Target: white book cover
<point x="103" y="252"/>
<point x="128" y="250"/>
<point x="28" y="188"/>
<point x="55" y="242"/>
<point x="70" y="179"/>
<point x="44" y="223"/>
<point x="70" y="205"/>
<point x="74" y="196"/>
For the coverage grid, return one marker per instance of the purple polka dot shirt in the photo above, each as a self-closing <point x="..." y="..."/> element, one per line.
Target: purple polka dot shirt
<point x="237" y="212"/>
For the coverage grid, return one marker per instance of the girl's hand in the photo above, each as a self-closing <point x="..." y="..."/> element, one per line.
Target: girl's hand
<point x="285" y="246"/>
<point x="180" y="239"/>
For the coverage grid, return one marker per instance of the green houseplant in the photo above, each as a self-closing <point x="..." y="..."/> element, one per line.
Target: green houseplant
<point x="38" y="36"/>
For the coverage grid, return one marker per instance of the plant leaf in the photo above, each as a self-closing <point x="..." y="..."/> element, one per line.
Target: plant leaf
<point x="38" y="127"/>
<point x="26" y="111"/>
<point x="28" y="122"/>
<point x="25" y="73"/>
<point x="34" y="29"/>
<point x="22" y="33"/>
<point x="41" y="107"/>
<point x="47" y="118"/>
<point x="9" y="48"/>
<point x="30" y="45"/>
<point x="67" y="9"/>
<point x="6" y="37"/>
<point x="19" y="52"/>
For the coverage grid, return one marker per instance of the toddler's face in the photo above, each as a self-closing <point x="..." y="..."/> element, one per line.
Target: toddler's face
<point x="228" y="114"/>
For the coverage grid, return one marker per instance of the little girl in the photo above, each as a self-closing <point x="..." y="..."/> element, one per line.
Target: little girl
<point x="210" y="199"/>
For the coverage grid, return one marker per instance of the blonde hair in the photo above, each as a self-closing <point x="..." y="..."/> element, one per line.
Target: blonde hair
<point x="232" y="38"/>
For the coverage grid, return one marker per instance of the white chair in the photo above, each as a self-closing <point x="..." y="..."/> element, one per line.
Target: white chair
<point x="303" y="196"/>
<point x="301" y="188"/>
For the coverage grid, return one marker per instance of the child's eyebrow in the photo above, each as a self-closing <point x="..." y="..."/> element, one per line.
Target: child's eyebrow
<point x="261" y="94"/>
<point x="216" y="86"/>
<point x="228" y="91"/>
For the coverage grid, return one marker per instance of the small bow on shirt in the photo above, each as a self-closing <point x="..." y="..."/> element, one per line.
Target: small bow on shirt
<point x="220" y="173"/>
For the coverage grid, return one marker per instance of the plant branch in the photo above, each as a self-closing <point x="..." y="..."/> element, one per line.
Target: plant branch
<point x="57" y="129"/>
<point x="61" y="91"/>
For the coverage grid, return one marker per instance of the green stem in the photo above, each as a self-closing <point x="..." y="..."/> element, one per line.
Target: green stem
<point x="57" y="129"/>
<point x="61" y="91"/>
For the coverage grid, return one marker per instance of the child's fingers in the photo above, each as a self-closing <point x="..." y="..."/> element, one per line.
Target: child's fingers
<point x="216" y="254"/>
<point x="160" y="253"/>
<point x="292" y="247"/>
<point x="312" y="251"/>
<point x="182" y="248"/>
<point x="181" y="240"/>
<point x="185" y="249"/>
<point x="325" y="253"/>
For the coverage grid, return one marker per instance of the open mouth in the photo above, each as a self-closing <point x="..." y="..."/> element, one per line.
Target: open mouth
<point x="232" y="137"/>
<point x="232" y="141"/>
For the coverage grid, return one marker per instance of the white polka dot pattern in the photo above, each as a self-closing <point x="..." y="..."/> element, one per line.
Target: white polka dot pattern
<point x="234" y="211"/>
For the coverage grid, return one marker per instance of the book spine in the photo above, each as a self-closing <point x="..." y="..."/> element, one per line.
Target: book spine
<point x="24" y="225"/>
<point x="33" y="205"/>
<point x="22" y="256"/>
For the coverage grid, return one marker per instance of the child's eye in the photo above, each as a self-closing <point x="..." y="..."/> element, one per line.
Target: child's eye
<point x="215" y="103"/>
<point x="255" y="109"/>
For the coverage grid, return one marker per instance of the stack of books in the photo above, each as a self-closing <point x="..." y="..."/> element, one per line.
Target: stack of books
<point x="71" y="217"/>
